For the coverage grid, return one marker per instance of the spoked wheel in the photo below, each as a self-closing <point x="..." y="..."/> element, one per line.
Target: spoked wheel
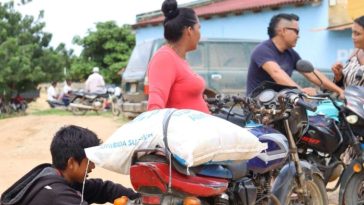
<point x="4" y="109"/>
<point x="317" y="194"/>
<point x="23" y="108"/>
<point x="77" y="110"/>
<point x="116" y="106"/>
<point x="354" y="193"/>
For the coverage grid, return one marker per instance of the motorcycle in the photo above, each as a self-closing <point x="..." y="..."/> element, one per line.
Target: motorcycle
<point x="161" y="179"/>
<point x="4" y="108"/>
<point x="84" y="102"/>
<point x="284" y="109"/>
<point x="18" y="104"/>
<point x="334" y="142"/>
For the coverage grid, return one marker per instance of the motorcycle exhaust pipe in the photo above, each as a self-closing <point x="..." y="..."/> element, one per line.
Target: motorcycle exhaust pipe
<point x="80" y="106"/>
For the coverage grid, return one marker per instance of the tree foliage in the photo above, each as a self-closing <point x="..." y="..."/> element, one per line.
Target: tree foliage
<point x="25" y="57"/>
<point x="108" y="47"/>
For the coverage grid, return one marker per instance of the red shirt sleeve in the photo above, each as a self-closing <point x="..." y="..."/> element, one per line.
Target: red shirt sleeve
<point x="161" y="76"/>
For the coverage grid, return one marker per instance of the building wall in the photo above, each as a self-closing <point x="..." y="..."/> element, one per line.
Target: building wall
<point x="322" y="47"/>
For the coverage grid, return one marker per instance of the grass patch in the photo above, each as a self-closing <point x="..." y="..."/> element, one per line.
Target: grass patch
<point x="59" y="112"/>
<point x="12" y="115"/>
<point x="63" y="112"/>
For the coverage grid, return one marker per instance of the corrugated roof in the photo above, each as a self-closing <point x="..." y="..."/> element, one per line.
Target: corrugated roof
<point x="224" y="7"/>
<point x="340" y="27"/>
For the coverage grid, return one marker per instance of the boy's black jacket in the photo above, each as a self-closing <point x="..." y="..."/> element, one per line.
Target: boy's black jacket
<point x="44" y="185"/>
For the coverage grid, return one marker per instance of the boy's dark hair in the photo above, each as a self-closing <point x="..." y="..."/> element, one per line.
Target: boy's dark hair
<point x="176" y="19"/>
<point x="70" y="141"/>
<point x="276" y="19"/>
<point x="360" y="21"/>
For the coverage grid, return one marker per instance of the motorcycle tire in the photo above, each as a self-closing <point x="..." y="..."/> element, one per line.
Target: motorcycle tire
<point x="316" y="192"/>
<point x="76" y="110"/>
<point x="115" y="109"/>
<point x="23" y="107"/>
<point x="354" y="192"/>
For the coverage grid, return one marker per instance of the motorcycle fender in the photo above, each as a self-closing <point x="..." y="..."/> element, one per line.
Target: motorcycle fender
<point x="345" y="178"/>
<point x="287" y="174"/>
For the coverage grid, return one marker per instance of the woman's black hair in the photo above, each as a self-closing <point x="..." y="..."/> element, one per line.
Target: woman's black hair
<point x="176" y="19"/>
<point x="276" y="19"/>
<point x="70" y="141"/>
<point x="360" y="21"/>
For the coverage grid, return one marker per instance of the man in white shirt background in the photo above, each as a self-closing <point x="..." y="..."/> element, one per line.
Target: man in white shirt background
<point x="95" y="82"/>
<point x="66" y="93"/>
<point x="52" y="95"/>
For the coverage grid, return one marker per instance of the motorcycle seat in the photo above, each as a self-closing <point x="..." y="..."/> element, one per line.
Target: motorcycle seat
<point x="227" y="170"/>
<point x="231" y="170"/>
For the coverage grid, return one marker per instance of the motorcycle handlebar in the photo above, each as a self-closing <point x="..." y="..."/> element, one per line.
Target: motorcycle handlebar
<point x="296" y="100"/>
<point x="308" y="106"/>
<point x="238" y="99"/>
<point x="211" y="100"/>
<point x="323" y="95"/>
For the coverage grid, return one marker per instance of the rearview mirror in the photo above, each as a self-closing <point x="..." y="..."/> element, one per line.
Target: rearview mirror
<point x="304" y="66"/>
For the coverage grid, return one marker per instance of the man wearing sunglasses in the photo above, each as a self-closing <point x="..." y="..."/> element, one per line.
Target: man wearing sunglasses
<point x="274" y="59"/>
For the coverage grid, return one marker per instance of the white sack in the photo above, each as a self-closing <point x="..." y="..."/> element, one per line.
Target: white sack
<point x="197" y="138"/>
<point x="194" y="138"/>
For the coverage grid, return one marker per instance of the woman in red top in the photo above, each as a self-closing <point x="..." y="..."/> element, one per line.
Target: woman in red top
<point x="172" y="83"/>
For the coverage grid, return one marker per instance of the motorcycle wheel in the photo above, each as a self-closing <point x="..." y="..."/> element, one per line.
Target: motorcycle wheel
<point x="354" y="192"/>
<point x="23" y="107"/>
<point x="115" y="107"/>
<point x="76" y="110"/>
<point x="316" y="193"/>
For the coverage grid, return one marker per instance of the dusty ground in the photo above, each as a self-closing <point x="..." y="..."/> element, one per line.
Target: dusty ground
<point x="25" y="140"/>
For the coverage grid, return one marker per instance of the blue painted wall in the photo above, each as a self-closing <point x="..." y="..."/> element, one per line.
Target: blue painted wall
<point x="322" y="48"/>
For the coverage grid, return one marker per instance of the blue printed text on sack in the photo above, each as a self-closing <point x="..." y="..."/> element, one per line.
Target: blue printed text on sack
<point x="127" y="143"/>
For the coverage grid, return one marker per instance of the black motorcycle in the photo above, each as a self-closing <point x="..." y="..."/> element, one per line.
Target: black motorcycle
<point x="334" y="141"/>
<point x="337" y="146"/>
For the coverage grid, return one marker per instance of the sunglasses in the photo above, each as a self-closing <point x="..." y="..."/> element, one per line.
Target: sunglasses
<point x="293" y="29"/>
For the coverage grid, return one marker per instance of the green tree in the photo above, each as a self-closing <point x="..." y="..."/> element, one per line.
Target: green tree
<point x="25" y="58"/>
<point x="108" y="47"/>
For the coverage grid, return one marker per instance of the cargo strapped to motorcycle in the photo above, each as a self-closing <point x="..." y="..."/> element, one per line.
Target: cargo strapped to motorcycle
<point x="166" y="119"/>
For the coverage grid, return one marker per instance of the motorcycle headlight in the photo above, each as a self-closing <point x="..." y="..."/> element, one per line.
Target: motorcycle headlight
<point x="352" y="119"/>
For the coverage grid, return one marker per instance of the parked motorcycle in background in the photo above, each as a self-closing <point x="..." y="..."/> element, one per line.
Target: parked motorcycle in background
<point x="84" y="102"/>
<point x="18" y="104"/>
<point x="18" y="101"/>
<point x="334" y="141"/>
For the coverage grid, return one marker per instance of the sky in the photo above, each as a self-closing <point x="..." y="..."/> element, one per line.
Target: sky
<point x="68" y="18"/>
